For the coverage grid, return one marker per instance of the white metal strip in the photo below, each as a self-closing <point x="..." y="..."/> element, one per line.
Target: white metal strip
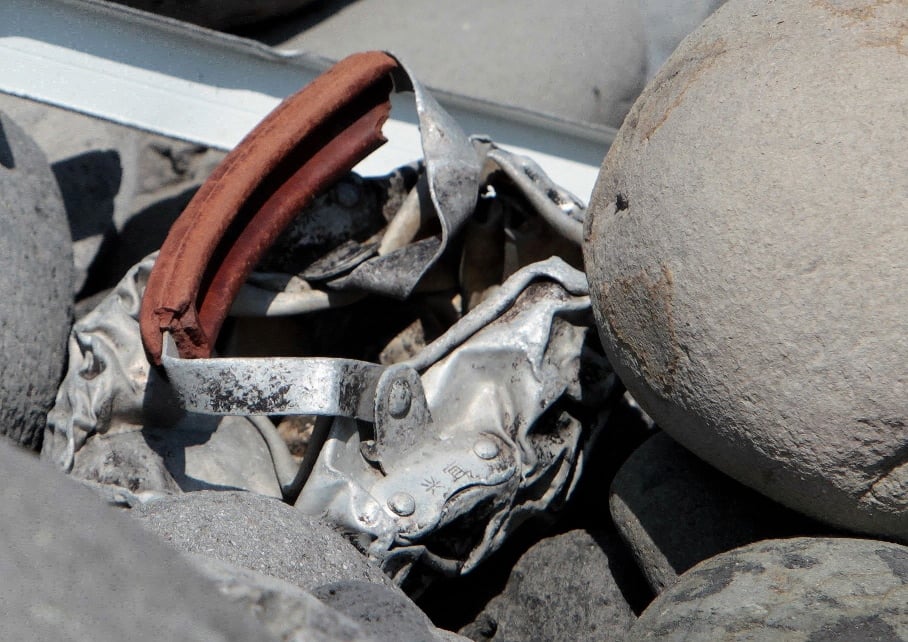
<point x="198" y="85"/>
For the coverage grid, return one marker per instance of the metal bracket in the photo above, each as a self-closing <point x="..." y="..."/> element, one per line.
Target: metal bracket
<point x="273" y="385"/>
<point x="423" y="486"/>
<point x="401" y="417"/>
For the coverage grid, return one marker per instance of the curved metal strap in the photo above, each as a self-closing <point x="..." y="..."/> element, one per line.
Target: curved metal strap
<point x="273" y="385"/>
<point x="306" y="144"/>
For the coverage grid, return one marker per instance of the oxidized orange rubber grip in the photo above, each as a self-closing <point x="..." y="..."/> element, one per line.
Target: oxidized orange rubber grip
<point x="306" y="144"/>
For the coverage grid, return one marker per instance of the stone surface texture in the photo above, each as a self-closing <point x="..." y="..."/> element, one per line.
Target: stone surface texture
<point x="258" y="533"/>
<point x="122" y="187"/>
<point x="581" y="61"/>
<point x="801" y="589"/>
<point x="745" y="249"/>
<point x="287" y="611"/>
<point x="565" y="587"/>
<point x="385" y="613"/>
<point x="299" y="576"/>
<point x="674" y="511"/>
<point x="35" y="286"/>
<point x="74" y="569"/>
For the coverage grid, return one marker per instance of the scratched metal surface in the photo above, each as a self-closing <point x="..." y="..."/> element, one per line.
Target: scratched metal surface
<point x="428" y="462"/>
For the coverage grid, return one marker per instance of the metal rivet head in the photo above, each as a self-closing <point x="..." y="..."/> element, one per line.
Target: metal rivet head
<point x="399" y="399"/>
<point x="402" y="504"/>
<point x="486" y="449"/>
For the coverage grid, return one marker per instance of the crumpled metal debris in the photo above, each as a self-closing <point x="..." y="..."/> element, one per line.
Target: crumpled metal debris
<point x="439" y="328"/>
<point x="444" y="475"/>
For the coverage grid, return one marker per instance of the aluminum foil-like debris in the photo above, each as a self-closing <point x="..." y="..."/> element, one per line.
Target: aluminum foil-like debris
<point x="433" y="328"/>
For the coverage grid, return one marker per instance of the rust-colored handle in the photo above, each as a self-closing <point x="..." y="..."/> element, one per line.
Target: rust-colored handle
<point x="306" y="144"/>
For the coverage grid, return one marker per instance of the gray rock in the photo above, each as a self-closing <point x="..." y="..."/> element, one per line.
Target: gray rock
<point x="674" y="511"/>
<point x="122" y="187"/>
<point x="219" y="14"/>
<point x="563" y="588"/>
<point x="91" y="161"/>
<point x="35" y="286"/>
<point x="386" y="614"/>
<point x="74" y="569"/>
<point x="581" y="61"/>
<point x="287" y="611"/>
<point x="263" y="553"/>
<point x="261" y="534"/>
<point x="745" y="248"/>
<point x="802" y="589"/>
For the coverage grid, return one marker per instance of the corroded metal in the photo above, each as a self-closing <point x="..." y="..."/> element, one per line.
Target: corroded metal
<point x="307" y="143"/>
<point x="432" y="458"/>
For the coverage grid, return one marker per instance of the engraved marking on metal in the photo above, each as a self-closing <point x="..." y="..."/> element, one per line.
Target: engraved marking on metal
<point x="456" y="472"/>
<point x="431" y="485"/>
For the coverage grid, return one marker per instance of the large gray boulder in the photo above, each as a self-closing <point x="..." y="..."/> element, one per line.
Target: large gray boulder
<point x="746" y="253"/>
<point x="35" y="286"/>
<point x="801" y="589"/>
<point x="73" y="569"/>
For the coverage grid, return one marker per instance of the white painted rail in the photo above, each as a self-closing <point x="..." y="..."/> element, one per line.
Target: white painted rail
<point x="183" y="81"/>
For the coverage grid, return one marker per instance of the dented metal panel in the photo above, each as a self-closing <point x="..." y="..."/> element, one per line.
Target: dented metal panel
<point x="428" y="458"/>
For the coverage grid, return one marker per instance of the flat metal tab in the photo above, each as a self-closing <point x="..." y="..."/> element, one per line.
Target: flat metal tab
<point x="273" y="385"/>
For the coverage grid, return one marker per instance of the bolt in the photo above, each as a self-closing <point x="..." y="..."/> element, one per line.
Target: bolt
<point x="485" y="449"/>
<point x="402" y="504"/>
<point x="399" y="399"/>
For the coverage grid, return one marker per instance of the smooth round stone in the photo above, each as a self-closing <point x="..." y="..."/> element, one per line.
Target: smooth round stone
<point x="259" y="533"/>
<point x="286" y="610"/>
<point x="804" y="589"/>
<point x="36" y="280"/>
<point x="122" y="187"/>
<point x="674" y="511"/>
<point x="566" y="587"/>
<point x="746" y="253"/>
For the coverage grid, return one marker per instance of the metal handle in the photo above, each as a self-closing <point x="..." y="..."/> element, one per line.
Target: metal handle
<point x="307" y="143"/>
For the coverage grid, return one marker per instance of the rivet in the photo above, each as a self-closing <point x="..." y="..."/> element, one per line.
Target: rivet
<point x="402" y="504"/>
<point x="485" y="449"/>
<point x="399" y="399"/>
